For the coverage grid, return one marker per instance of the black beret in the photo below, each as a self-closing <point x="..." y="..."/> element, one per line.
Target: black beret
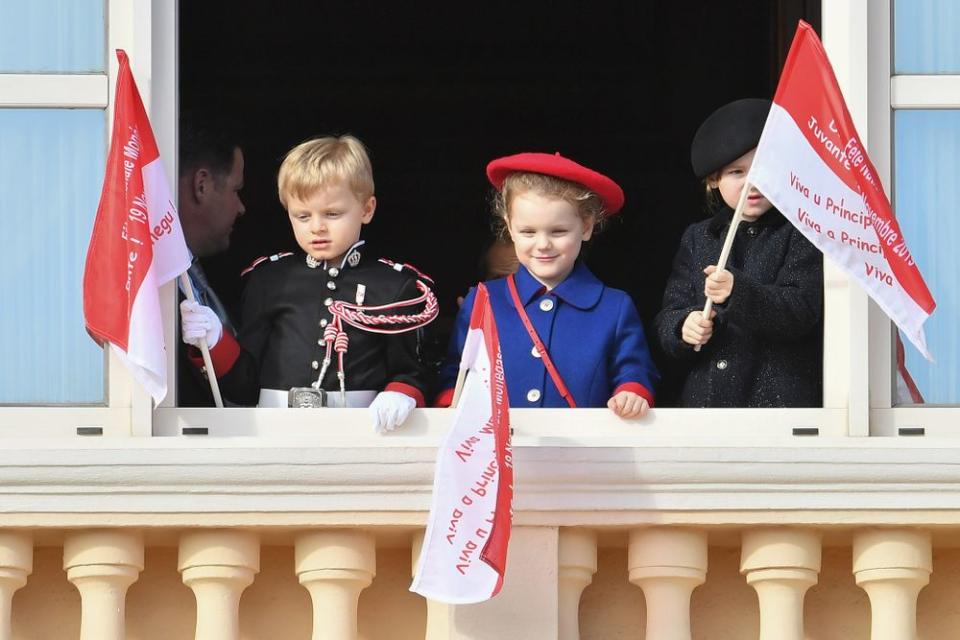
<point x="728" y="133"/>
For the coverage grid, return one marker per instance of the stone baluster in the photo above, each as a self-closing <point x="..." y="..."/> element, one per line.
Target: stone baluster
<point x="102" y="564"/>
<point x="576" y="565"/>
<point x="335" y="566"/>
<point x="892" y="566"/>
<point x="218" y="565"/>
<point x="668" y="564"/>
<point x="16" y="563"/>
<point x="525" y="608"/>
<point x="439" y="618"/>
<point x="780" y="564"/>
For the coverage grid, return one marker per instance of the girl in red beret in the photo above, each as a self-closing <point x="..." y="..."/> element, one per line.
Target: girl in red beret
<point x="762" y="344"/>
<point x="592" y="350"/>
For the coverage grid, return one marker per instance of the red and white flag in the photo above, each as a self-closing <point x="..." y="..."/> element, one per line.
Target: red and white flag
<point x="137" y="244"/>
<point x="812" y="166"/>
<point x="464" y="553"/>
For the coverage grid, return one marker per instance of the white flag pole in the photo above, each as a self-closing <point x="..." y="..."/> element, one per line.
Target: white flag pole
<point x="458" y="389"/>
<point x="204" y="349"/>
<point x="728" y="244"/>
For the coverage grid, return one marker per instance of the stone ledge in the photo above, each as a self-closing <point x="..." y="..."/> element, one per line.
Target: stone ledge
<point x="180" y="475"/>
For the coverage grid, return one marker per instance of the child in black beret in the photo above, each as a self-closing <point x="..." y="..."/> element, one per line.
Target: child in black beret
<point x="762" y="344"/>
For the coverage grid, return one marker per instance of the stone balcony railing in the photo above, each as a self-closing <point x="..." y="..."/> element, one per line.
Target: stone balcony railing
<point x="295" y="537"/>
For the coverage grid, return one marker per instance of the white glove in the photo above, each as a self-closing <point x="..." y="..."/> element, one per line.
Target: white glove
<point x="390" y="409"/>
<point x="198" y="321"/>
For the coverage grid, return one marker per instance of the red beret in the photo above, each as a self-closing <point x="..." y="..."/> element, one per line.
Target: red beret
<point x="559" y="167"/>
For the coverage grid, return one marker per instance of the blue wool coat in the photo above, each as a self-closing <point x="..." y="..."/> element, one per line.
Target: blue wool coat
<point x="592" y="332"/>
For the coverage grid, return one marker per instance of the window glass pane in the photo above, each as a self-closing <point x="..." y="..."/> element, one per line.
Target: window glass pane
<point x="51" y="171"/>
<point x="927" y="163"/>
<point x="52" y="36"/>
<point x="927" y="36"/>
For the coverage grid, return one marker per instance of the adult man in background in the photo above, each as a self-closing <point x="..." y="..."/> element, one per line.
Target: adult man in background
<point x="209" y="185"/>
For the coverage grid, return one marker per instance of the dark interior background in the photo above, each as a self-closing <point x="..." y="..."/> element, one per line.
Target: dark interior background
<point x="438" y="89"/>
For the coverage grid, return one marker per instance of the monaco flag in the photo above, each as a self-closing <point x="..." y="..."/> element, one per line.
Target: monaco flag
<point x="811" y="165"/>
<point x="137" y="244"/>
<point x="464" y="553"/>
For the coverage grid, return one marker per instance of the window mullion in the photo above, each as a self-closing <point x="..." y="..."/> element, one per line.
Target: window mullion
<point x="33" y="90"/>
<point x="846" y="38"/>
<point x="925" y="92"/>
<point x="879" y="358"/>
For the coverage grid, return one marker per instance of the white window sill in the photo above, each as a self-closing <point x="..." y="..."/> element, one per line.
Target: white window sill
<point x="554" y="427"/>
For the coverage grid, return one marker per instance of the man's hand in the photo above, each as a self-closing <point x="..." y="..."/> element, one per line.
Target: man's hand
<point x="697" y="329"/>
<point x="719" y="284"/>
<point x="198" y="321"/>
<point x="628" y="404"/>
<point x="390" y="409"/>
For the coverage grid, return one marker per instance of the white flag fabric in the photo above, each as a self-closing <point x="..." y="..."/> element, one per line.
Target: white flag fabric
<point x="464" y="553"/>
<point x="137" y="244"/>
<point x="811" y="165"/>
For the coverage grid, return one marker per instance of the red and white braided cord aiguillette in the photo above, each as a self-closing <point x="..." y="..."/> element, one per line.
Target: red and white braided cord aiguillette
<point x="359" y="316"/>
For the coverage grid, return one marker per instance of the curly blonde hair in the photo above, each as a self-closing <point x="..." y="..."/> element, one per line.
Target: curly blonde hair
<point x="588" y="203"/>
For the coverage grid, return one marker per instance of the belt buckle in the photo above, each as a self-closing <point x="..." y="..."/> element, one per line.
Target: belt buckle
<point x="306" y="398"/>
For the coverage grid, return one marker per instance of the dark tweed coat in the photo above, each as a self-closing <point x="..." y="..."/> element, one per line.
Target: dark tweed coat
<point x="767" y="345"/>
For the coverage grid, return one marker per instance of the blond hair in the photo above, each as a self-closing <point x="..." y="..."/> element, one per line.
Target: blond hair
<point x="588" y="203"/>
<point x="320" y="162"/>
<point x="712" y="193"/>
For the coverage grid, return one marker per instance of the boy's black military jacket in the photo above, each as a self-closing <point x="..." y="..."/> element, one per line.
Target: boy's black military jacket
<point x="285" y="309"/>
<point x="766" y="349"/>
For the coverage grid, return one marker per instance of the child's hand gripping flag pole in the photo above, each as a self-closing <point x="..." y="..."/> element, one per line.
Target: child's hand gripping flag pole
<point x="727" y="245"/>
<point x="464" y="552"/>
<point x="136" y="246"/>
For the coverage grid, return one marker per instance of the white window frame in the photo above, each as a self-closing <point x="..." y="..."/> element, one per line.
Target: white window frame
<point x="856" y="33"/>
<point x="846" y="394"/>
<point x="127" y="408"/>
<point x="893" y="92"/>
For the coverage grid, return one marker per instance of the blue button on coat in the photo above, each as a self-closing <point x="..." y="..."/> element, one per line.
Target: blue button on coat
<point x="592" y="332"/>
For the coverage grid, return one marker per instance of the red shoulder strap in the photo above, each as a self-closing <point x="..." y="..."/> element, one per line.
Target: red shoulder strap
<point x="256" y="263"/>
<point x="538" y="343"/>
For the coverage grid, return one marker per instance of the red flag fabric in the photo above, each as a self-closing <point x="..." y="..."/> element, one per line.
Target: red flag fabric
<point x="464" y="553"/>
<point x="811" y="164"/>
<point x="136" y="246"/>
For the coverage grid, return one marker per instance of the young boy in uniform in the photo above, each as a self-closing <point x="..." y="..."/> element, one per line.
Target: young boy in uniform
<point x="333" y="325"/>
